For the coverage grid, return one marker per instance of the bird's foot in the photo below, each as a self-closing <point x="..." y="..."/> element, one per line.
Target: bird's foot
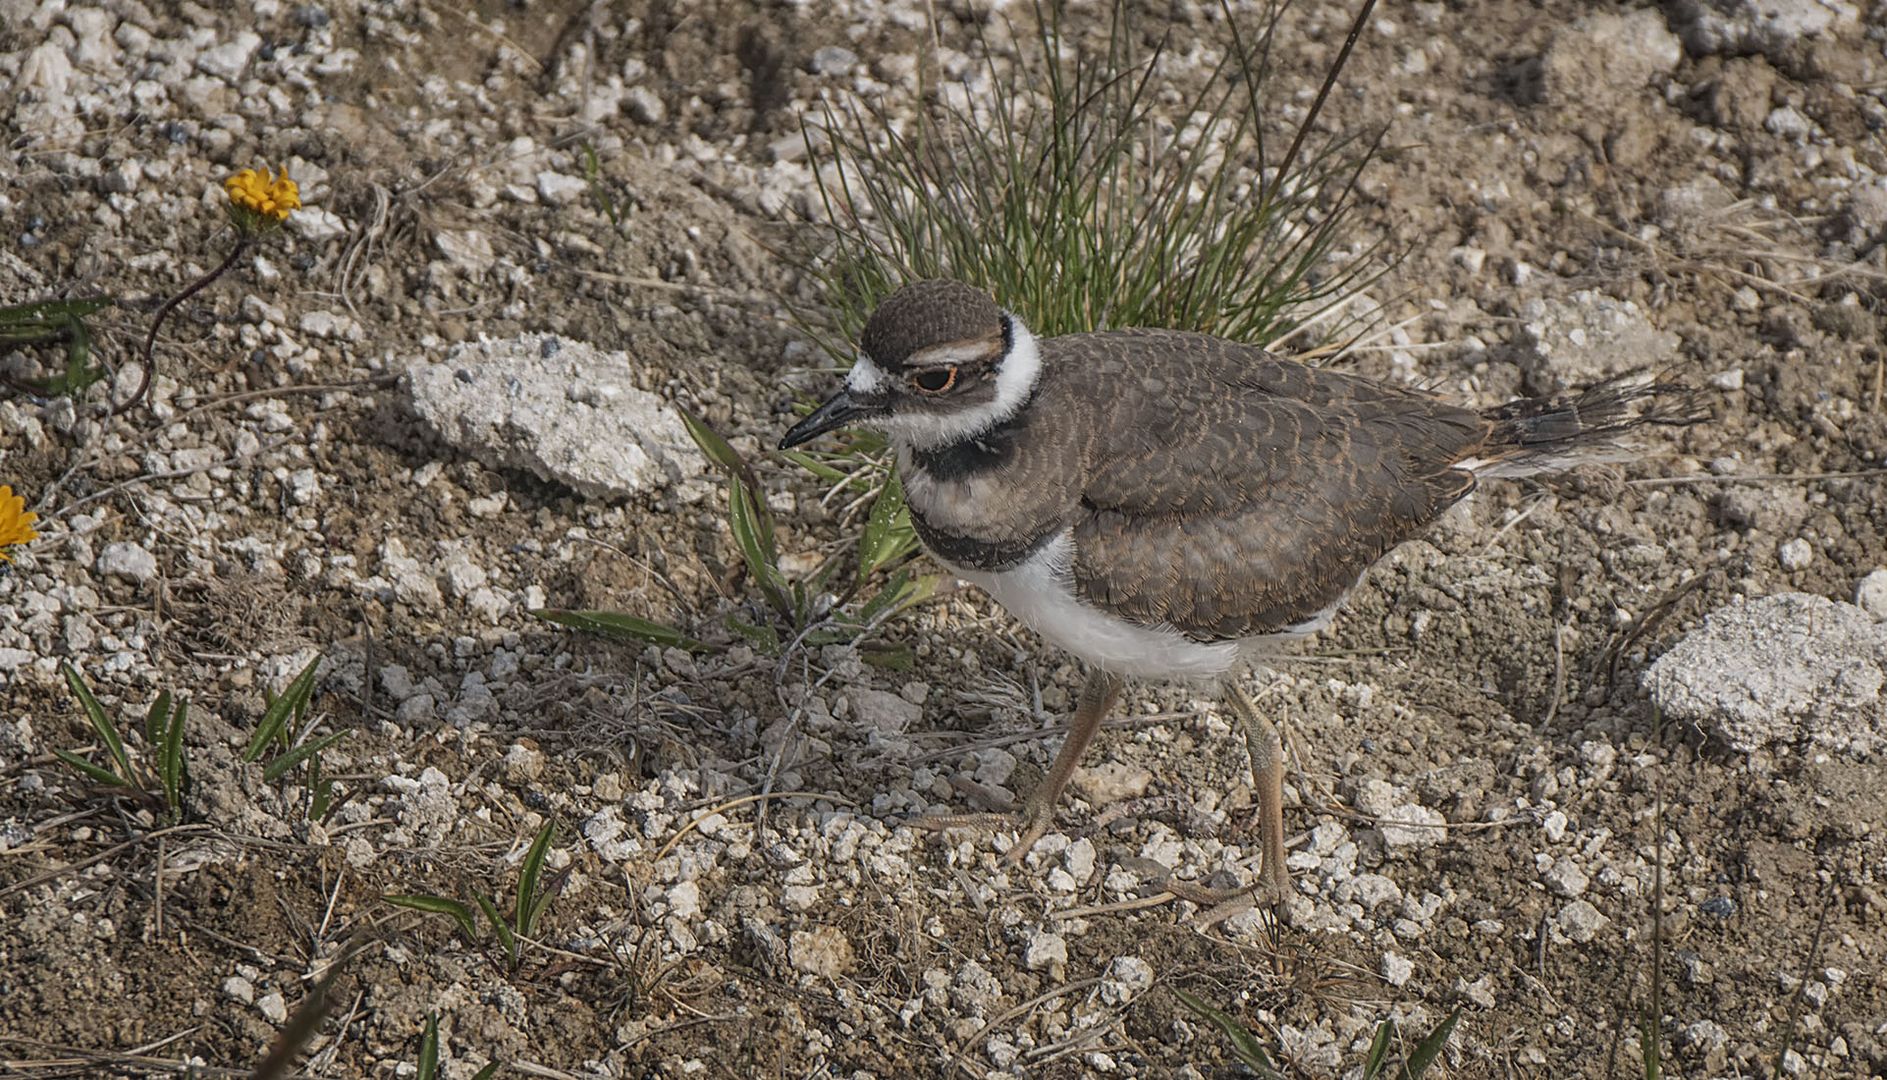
<point x="1030" y="826"/>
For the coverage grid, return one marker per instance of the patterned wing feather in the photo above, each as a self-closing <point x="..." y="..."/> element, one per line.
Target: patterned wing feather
<point x="1231" y="493"/>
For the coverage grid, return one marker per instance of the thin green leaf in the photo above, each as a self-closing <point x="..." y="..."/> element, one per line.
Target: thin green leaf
<point x="893" y="658"/>
<point x="172" y="768"/>
<point x="487" y="1072"/>
<point x="1379" y="1050"/>
<point x="275" y="718"/>
<point x="814" y="466"/>
<point x="1648" y="1048"/>
<point x="718" y="450"/>
<point x="620" y="627"/>
<point x="529" y="873"/>
<point x="1244" y="1046"/>
<point x="1429" y="1049"/>
<point x="506" y="939"/>
<point x="281" y="765"/>
<point x="157" y="720"/>
<point x="888" y="535"/>
<point x="764" y="638"/>
<point x="107" y="731"/>
<point x="438" y="905"/>
<point x="102" y="775"/>
<point x="429" y="1048"/>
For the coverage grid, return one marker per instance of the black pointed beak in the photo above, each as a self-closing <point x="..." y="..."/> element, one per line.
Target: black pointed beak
<point x="839" y="410"/>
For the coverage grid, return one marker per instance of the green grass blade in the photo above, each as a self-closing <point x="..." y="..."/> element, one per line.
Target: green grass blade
<point x="429" y="1049"/>
<point x="172" y="768"/>
<point x="530" y="873"/>
<point x="102" y="775"/>
<point x="717" y="449"/>
<point x="888" y="534"/>
<point x="107" y="731"/>
<point x="1429" y="1049"/>
<point x="157" y="720"/>
<point x="506" y="939"/>
<point x="438" y="905"/>
<point x="1379" y="1050"/>
<point x="275" y="719"/>
<point x="487" y="1072"/>
<point x="1648" y="1047"/>
<point x="1244" y="1046"/>
<point x="281" y="765"/>
<point x="620" y="627"/>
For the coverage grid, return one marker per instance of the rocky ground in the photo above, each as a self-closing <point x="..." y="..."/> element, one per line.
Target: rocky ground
<point x="584" y="209"/>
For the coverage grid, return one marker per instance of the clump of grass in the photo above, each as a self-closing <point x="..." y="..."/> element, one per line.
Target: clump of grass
<point x="1068" y="196"/>
<point x="160" y="774"/>
<point x="55" y="323"/>
<point x="286" y="730"/>
<point x="821" y="608"/>
<point x="1249" y="1052"/>
<point x="532" y="896"/>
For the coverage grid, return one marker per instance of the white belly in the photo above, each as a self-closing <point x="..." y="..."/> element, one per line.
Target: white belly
<point x="1040" y="592"/>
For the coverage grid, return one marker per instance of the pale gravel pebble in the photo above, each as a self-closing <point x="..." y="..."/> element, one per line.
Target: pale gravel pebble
<point x="1396" y="970"/>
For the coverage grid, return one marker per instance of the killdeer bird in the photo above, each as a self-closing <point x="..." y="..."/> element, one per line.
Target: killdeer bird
<point x="1171" y="505"/>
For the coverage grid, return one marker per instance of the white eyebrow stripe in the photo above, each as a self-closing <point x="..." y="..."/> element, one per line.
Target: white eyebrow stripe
<point x="956" y="352"/>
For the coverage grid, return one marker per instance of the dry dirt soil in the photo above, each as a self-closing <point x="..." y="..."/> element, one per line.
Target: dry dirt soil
<point x="1486" y="816"/>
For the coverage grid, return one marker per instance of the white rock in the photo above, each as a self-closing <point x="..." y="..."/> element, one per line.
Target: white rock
<point x="1564" y="878"/>
<point x="561" y="409"/>
<point x="128" y="562"/>
<point x="1554" y="825"/>
<point x="560" y="189"/>
<point x="822" y="951"/>
<point x="1870" y="594"/>
<point x="237" y="988"/>
<point x="684" y="900"/>
<point x="881" y="710"/>
<point x="1795" y="554"/>
<point x="1781" y="668"/>
<point x="1111" y="782"/>
<point x="1588" y="337"/>
<point x="316" y="223"/>
<point x="1127" y="978"/>
<point x="273" y="1007"/>
<point x="1411" y="825"/>
<point x="1396" y="970"/>
<point x="1579" y="922"/>
<point x="227" y="60"/>
<point x="1046" y="952"/>
<point x="1770" y="27"/>
<point x="644" y="105"/>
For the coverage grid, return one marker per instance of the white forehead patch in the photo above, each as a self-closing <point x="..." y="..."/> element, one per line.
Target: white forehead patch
<point x="866" y="377"/>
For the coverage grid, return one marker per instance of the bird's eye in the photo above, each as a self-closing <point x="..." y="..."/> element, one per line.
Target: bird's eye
<point x="936" y="380"/>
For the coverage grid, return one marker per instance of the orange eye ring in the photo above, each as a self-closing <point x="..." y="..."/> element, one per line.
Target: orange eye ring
<point x="925" y="382"/>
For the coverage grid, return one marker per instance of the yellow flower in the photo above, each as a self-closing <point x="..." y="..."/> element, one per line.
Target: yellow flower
<point x="16" y="521"/>
<point x="258" y="200"/>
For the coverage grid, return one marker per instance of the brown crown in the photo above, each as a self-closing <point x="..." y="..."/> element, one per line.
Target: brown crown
<point x="927" y="313"/>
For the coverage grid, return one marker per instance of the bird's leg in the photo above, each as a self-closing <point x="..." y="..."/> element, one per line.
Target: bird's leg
<point x="1267" y="774"/>
<point x="1098" y="695"/>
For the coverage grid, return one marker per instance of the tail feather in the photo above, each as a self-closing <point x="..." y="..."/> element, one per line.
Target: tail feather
<point x="1541" y="435"/>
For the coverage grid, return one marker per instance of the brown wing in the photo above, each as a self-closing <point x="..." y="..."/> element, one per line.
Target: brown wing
<point x="1230" y="493"/>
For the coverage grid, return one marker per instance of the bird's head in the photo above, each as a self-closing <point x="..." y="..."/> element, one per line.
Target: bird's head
<point x="939" y="362"/>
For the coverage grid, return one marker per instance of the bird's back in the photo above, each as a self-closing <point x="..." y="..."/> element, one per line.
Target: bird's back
<point x="1229" y="494"/>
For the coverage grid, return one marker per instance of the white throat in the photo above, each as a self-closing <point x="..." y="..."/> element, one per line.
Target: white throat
<point x="1016" y="375"/>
